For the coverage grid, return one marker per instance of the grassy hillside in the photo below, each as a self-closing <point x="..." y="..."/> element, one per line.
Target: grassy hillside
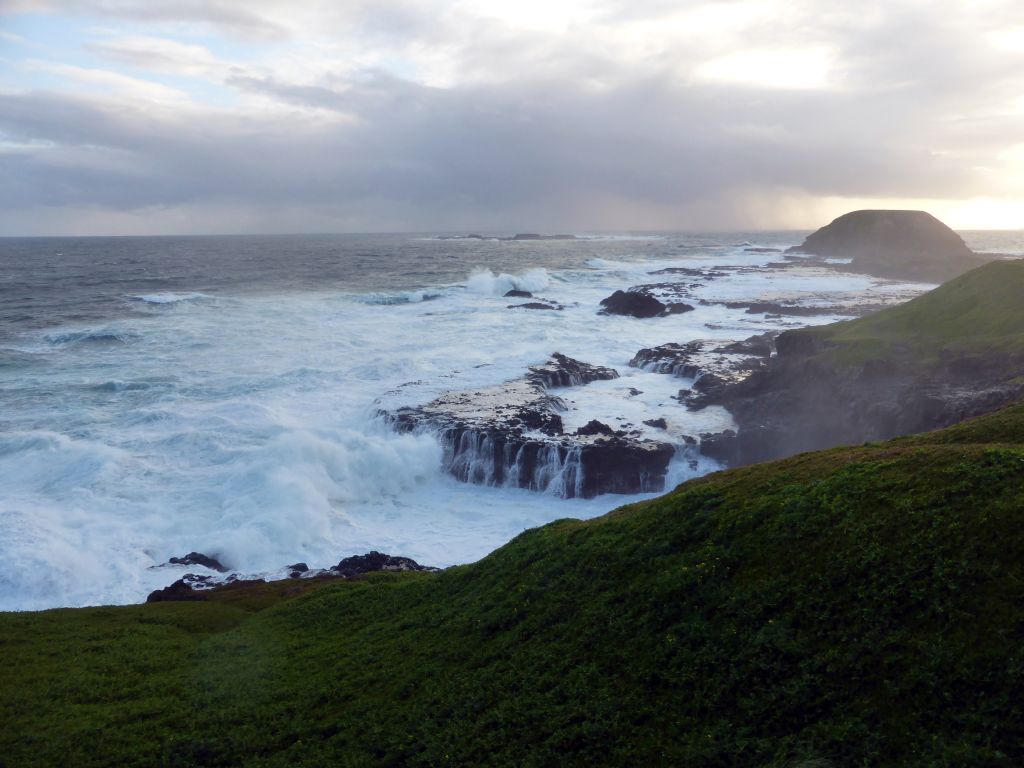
<point x="863" y="606"/>
<point x="977" y="312"/>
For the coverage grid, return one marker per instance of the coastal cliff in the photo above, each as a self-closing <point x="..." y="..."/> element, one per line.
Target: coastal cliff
<point x="953" y="353"/>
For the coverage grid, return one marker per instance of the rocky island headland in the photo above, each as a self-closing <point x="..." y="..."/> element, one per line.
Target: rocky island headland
<point x="905" y="245"/>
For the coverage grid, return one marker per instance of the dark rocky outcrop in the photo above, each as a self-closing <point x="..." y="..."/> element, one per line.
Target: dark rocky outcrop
<point x="374" y="561"/>
<point x="198" y="558"/>
<point x="515" y="293"/>
<point x="564" y="371"/>
<point x="595" y="427"/>
<point x="190" y="587"/>
<point x="908" y="245"/>
<point x="512" y="434"/>
<point x="536" y="305"/>
<point x="639" y="302"/>
<point x="672" y="358"/>
<point x="632" y="303"/>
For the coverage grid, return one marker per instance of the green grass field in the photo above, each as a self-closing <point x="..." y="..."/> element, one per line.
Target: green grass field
<point x="977" y="313"/>
<point x="863" y="606"/>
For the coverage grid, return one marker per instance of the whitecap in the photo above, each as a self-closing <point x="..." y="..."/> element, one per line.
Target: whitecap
<point x="486" y="283"/>
<point x="169" y="297"/>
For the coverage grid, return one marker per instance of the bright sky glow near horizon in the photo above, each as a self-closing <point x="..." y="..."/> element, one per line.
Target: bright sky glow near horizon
<point x="216" y="116"/>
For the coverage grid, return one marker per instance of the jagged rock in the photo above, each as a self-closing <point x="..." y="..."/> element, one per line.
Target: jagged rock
<point x="190" y="587"/>
<point x="909" y="245"/>
<point x="515" y="293"/>
<point x="632" y="303"/>
<point x="198" y="558"/>
<point x="563" y="371"/>
<point x="512" y="434"/>
<point x="296" y="570"/>
<point x="678" y="308"/>
<point x="658" y="423"/>
<point x="595" y="427"/>
<point x="373" y="561"/>
<point x="676" y="359"/>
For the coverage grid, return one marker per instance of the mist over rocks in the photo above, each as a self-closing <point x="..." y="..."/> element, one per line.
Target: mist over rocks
<point x="905" y="245"/>
<point x="946" y="356"/>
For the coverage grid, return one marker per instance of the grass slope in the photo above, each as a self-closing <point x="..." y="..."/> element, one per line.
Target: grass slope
<point x="981" y="311"/>
<point x="861" y="605"/>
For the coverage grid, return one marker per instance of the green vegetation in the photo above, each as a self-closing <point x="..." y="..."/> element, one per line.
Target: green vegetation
<point x="862" y="605"/>
<point x="976" y="313"/>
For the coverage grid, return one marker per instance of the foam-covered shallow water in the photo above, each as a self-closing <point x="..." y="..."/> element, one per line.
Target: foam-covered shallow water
<point x="166" y="395"/>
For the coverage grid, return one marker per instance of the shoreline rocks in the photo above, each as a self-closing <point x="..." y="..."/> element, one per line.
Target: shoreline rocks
<point x="512" y="434"/>
<point x="199" y="587"/>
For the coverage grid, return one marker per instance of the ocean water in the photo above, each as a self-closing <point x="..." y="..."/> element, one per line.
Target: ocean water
<point x="220" y="394"/>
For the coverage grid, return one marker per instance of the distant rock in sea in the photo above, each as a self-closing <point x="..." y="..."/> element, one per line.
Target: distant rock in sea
<point x="535" y="236"/>
<point x="517" y="237"/>
<point x="905" y="245"/>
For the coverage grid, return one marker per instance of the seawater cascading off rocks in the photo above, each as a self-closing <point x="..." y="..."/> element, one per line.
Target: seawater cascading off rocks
<point x="512" y="435"/>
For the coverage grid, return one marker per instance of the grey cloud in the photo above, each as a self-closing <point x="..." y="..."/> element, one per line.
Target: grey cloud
<point x="916" y="116"/>
<point x="530" y="150"/>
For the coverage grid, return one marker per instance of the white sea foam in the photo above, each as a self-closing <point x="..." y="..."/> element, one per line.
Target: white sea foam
<point x="247" y="428"/>
<point x="486" y="283"/>
<point x="169" y="297"/>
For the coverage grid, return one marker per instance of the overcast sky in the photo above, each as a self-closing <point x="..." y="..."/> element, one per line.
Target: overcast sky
<point x="203" y="116"/>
